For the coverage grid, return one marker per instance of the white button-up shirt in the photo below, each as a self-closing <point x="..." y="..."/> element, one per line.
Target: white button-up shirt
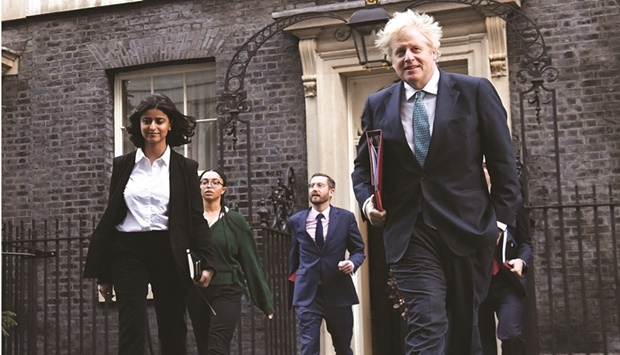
<point x="147" y="194"/>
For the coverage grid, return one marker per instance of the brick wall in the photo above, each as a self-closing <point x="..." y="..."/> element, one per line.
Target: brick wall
<point x="57" y="114"/>
<point x="582" y="40"/>
<point x="575" y="262"/>
<point x="57" y="120"/>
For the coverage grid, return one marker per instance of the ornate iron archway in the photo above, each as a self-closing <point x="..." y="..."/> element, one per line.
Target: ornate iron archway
<point x="534" y="71"/>
<point x="233" y="102"/>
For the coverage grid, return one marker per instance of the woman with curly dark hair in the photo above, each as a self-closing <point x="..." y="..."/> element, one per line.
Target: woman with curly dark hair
<point x="238" y="271"/>
<point x="154" y="215"/>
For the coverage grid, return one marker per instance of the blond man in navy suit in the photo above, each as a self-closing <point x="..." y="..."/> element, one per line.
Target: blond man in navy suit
<point x="440" y="221"/>
<point x="323" y="288"/>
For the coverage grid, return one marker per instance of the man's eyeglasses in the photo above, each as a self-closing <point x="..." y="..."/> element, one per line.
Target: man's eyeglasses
<point x="213" y="183"/>
<point x="319" y="185"/>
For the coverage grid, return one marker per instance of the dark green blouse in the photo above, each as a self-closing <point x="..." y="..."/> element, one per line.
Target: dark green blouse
<point x="237" y="261"/>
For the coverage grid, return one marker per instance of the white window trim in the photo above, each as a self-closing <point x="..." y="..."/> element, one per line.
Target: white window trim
<point x="118" y="91"/>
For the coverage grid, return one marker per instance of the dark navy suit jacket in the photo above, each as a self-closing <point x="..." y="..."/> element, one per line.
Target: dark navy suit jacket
<point x="469" y="122"/>
<point x="313" y="265"/>
<point x="518" y="244"/>
<point x="187" y="227"/>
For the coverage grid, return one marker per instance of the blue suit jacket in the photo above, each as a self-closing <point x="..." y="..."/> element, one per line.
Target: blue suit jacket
<point x="312" y="265"/>
<point x="518" y="243"/>
<point x="470" y="122"/>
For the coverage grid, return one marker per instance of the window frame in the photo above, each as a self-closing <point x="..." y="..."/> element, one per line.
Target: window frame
<point x="151" y="72"/>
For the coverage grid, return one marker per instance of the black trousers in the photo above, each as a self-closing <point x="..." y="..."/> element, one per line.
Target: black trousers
<point x="505" y="301"/>
<point x="442" y="292"/>
<point x="138" y="259"/>
<point x="214" y="332"/>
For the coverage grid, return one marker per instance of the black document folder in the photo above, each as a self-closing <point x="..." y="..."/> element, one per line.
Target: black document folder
<point x="375" y="152"/>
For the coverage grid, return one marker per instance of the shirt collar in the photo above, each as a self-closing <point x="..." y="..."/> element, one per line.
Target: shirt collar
<point x="431" y="87"/>
<point x="164" y="157"/>
<point x="313" y="213"/>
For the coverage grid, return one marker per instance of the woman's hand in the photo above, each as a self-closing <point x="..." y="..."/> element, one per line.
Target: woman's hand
<point x="105" y="290"/>
<point x="270" y="316"/>
<point x="205" y="279"/>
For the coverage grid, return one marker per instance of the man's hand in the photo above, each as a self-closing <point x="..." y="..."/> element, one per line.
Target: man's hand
<point x="377" y="218"/>
<point x="106" y="291"/>
<point x="346" y="266"/>
<point x="515" y="266"/>
<point x="205" y="279"/>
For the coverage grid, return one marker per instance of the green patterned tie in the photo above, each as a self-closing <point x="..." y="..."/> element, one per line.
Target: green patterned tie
<point x="421" y="132"/>
<point x="421" y="141"/>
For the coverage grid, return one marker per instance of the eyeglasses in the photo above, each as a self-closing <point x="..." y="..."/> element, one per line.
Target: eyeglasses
<point x="318" y="185"/>
<point x="213" y="183"/>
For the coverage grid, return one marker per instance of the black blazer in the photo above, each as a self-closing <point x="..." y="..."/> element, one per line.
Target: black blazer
<point x="470" y="122"/>
<point x="187" y="226"/>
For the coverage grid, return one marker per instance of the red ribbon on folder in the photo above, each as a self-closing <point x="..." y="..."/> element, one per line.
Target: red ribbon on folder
<point x="374" y="140"/>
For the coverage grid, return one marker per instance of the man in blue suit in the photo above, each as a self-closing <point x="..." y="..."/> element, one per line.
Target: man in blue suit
<point x="323" y="288"/>
<point x="507" y="293"/>
<point x="440" y="222"/>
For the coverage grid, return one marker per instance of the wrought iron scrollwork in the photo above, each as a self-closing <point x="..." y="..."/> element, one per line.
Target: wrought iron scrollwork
<point x="282" y="199"/>
<point x="234" y="99"/>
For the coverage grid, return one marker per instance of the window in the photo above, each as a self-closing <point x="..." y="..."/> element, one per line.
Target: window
<point x="190" y="87"/>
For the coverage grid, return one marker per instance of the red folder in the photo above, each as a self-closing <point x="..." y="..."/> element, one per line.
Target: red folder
<point x="374" y="140"/>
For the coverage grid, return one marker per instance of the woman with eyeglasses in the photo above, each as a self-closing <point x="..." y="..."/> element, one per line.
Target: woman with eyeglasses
<point x="216" y="310"/>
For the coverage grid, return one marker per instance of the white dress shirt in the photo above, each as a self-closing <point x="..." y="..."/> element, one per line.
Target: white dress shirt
<point x="147" y="194"/>
<point x="429" y="100"/>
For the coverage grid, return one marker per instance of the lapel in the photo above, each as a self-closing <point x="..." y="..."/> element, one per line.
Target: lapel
<point x="116" y="209"/>
<point x="300" y="225"/>
<point x="126" y="169"/>
<point x="392" y="112"/>
<point x="177" y="184"/>
<point x="334" y="220"/>
<point x="393" y="127"/>
<point x="446" y="102"/>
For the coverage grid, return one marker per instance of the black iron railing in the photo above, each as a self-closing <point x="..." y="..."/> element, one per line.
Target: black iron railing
<point x="576" y="285"/>
<point x="58" y="312"/>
